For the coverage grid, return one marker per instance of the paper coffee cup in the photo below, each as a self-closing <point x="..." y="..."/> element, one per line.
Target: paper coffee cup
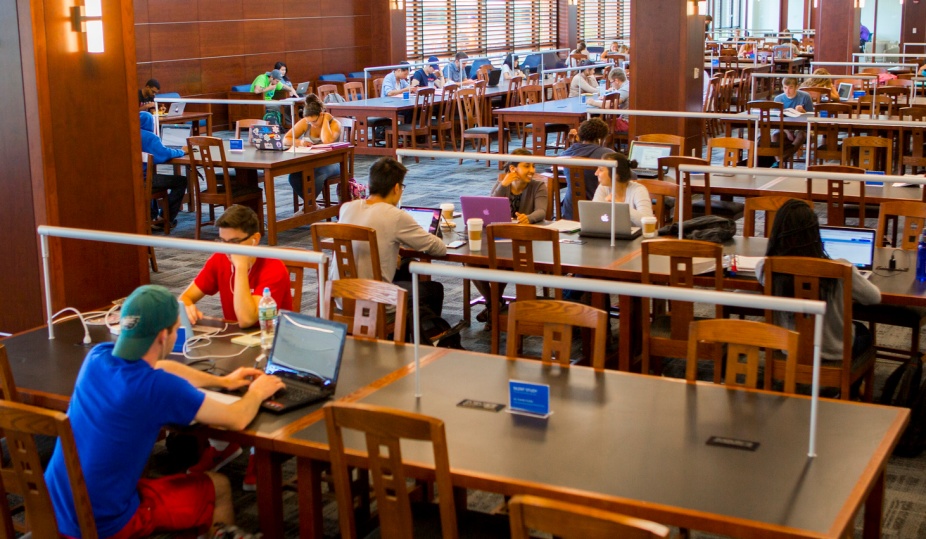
<point x="474" y="231"/>
<point x="446" y="211"/>
<point x="649" y="227"/>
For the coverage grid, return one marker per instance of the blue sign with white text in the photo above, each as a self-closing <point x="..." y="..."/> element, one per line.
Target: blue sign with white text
<point x="528" y="398"/>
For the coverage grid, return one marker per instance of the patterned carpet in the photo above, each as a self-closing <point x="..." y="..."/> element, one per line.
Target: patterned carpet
<point x="428" y="184"/>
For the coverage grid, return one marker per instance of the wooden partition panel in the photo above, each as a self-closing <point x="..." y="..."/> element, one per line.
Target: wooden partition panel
<point x="837" y="25"/>
<point x="914" y="24"/>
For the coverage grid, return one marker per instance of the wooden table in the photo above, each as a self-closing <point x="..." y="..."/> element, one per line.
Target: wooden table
<point x="636" y="445"/>
<point x="274" y="164"/>
<point x="791" y="65"/>
<point x="193" y="117"/>
<point x="570" y="111"/>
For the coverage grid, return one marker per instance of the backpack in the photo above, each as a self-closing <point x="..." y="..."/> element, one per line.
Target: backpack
<point x="334" y="97"/>
<point x="273" y="117"/>
<point x="705" y="228"/>
<point x="904" y="387"/>
<point x="436" y="331"/>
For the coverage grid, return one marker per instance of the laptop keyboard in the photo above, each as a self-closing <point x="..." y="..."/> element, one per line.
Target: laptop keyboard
<point x="297" y="394"/>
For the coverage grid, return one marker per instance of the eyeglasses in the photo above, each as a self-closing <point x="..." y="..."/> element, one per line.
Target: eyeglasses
<point x="402" y="185"/>
<point x="235" y="241"/>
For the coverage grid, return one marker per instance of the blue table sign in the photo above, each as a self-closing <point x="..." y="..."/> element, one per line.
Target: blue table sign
<point x="528" y="398"/>
<point x="236" y="145"/>
<point x="858" y="93"/>
<point x="875" y="183"/>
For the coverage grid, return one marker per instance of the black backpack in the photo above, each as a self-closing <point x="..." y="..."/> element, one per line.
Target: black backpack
<point x="436" y="331"/>
<point x="706" y="228"/>
<point x="905" y="387"/>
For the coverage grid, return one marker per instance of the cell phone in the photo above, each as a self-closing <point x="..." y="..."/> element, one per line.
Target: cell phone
<point x="456" y="244"/>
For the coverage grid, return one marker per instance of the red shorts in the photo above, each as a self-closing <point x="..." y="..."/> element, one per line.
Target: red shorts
<point x="171" y="503"/>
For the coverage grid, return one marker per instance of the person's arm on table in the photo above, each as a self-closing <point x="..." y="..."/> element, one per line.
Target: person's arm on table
<point x="294" y="135"/>
<point x="411" y="235"/>
<point x="190" y="297"/>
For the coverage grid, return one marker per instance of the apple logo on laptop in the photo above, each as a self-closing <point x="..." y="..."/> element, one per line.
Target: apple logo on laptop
<point x="604" y="218"/>
<point x="485" y="211"/>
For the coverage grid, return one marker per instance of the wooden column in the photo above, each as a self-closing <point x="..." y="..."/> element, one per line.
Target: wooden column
<point x="70" y="156"/>
<point x="389" y="45"/>
<point x="914" y="24"/>
<point x="837" y="25"/>
<point x="666" y="67"/>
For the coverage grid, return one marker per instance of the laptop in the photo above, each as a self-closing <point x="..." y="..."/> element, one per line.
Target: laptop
<point x="595" y="220"/>
<point x="267" y="137"/>
<point x="845" y="91"/>
<point x="303" y="88"/>
<point x="857" y="245"/>
<point x="495" y="75"/>
<point x="187" y="333"/>
<point x="489" y="209"/>
<point x="174" y="136"/>
<point x="306" y="354"/>
<point x="427" y="218"/>
<point x="175" y="109"/>
<point x="647" y="156"/>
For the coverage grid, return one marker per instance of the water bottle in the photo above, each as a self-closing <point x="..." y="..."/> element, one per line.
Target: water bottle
<point x="921" y="258"/>
<point x="602" y="88"/>
<point x="267" y="315"/>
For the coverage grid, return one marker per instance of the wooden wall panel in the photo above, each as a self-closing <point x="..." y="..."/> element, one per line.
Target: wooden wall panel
<point x="172" y="11"/>
<point x="914" y="24"/>
<point x="261" y="9"/>
<point x="837" y="33"/>
<point x="142" y="44"/>
<point x="220" y="10"/>
<point x="224" y="38"/>
<point x="303" y="34"/>
<point x="177" y="41"/>
<point x="302" y="8"/>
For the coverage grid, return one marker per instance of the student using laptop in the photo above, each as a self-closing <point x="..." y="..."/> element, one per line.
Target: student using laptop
<point x="510" y="67"/>
<point x="591" y="134"/>
<point x="626" y="191"/>
<point x="175" y="184"/>
<point x="147" y="94"/>
<point x="796" y="232"/>
<point x="269" y="84"/>
<point x="125" y="394"/>
<point x="822" y="83"/>
<point x="315" y="127"/>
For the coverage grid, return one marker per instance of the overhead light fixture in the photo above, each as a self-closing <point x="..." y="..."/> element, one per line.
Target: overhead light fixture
<point x="88" y="20"/>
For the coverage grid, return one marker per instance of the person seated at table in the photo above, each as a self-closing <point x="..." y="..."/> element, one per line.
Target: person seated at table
<point x="174" y="183"/>
<point x="147" y="94"/>
<point x="821" y="83"/>
<point x="591" y="133"/>
<point x="527" y="199"/>
<point x="584" y="82"/>
<point x="626" y="191"/>
<point x="428" y="75"/>
<point x="454" y="72"/>
<point x="269" y="84"/>
<point x="747" y="50"/>
<point x="792" y="98"/>
<point x="394" y="229"/>
<point x="315" y="127"/>
<point x="510" y="67"/>
<point x="281" y="67"/>
<point x="623" y="49"/>
<point x="612" y="53"/>
<point x="617" y="82"/>
<point x="580" y="49"/>
<point x="796" y="232"/>
<point x="125" y="394"/>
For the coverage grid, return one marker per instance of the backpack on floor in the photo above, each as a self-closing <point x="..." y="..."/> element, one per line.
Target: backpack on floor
<point x="905" y="387"/>
<point x="273" y="117"/>
<point x="436" y="331"/>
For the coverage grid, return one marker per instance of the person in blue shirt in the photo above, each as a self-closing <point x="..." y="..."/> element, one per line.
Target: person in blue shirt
<point x="454" y="71"/>
<point x="396" y="83"/>
<point x="792" y="98"/>
<point x="126" y="392"/>
<point x="591" y="133"/>
<point x="175" y="184"/>
<point x="428" y="75"/>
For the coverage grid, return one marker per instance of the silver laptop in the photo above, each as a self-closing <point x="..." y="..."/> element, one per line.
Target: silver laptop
<point x="845" y="91"/>
<point x="175" y="109"/>
<point x="595" y="220"/>
<point x="857" y="245"/>
<point x="303" y="88"/>
<point x="174" y="136"/>
<point x="647" y="155"/>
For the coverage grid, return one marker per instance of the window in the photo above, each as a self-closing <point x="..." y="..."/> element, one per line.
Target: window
<point x="603" y="19"/>
<point x="478" y="27"/>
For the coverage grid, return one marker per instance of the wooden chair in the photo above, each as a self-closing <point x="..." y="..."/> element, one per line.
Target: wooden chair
<point x="770" y="205"/>
<point x="837" y="210"/>
<point x="324" y="90"/>
<point x="296" y="272"/>
<point x="560" y="91"/>
<point x="704" y="206"/>
<point x="807" y="277"/>
<point x="665" y="333"/>
<point x="522" y="253"/>
<point x="420" y="125"/>
<point x="768" y="125"/>
<point x="660" y="192"/>
<point x="20" y="423"/>
<point x="159" y="197"/>
<point x="867" y="155"/>
<point x="816" y="93"/>
<point x="895" y="93"/>
<point x="369" y="320"/>
<point x="353" y="91"/>
<point x="824" y="143"/>
<point x="444" y="122"/>
<point x="912" y="140"/>
<point x="471" y="128"/>
<point x="677" y="142"/>
<point x="571" y="521"/>
<point x="733" y="149"/>
<point x="576" y="184"/>
<point x="246" y="126"/>
<point x="557" y="319"/>
<point x="743" y="339"/>
<point x="530" y="94"/>
<point x="616" y="138"/>
<point x="208" y="154"/>
<point x="874" y="105"/>
<point x="914" y="219"/>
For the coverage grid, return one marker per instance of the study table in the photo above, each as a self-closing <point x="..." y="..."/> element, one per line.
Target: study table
<point x="189" y="116"/>
<point x="636" y="445"/>
<point x="281" y="163"/>
<point x="570" y="111"/>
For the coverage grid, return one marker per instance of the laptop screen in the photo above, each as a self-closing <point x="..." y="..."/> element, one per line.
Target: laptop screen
<point x="647" y="155"/>
<point x="845" y="90"/>
<point x="427" y="218"/>
<point x="174" y="136"/>
<point x="857" y="245"/>
<point x="307" y="349"/>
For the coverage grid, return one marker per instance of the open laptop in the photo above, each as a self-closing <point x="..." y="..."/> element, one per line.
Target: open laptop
<point x="303" y="88"/>
<point x="489" y="209"/>
<point x="267" y="137"/>
<point x="495" y="75"/>
<point x="174" y="136"/>
<point x="175" y="109"/>
<point x="845" y="91"/>
<point x="428" y="218"/>
<point x="306" y="354"/>
<point x="857" y="245"/>
<point x="595" y="220"/>
<point x="647" y="156"/>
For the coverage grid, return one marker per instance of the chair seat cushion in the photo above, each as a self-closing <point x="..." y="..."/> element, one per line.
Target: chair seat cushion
<point x="482" y="131"/>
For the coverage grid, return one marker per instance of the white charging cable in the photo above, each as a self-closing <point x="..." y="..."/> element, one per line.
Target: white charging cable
<point x="82" y="322"/>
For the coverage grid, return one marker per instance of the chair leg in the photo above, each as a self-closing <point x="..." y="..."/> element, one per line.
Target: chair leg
<point x="153" y="259"/>
<point x="199" y="220"/>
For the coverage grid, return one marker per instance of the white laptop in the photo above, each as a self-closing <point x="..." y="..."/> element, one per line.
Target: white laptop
<point x="302" y="88"/>
<point x="175" y="109"/>
<point x="647" y="155"/>
<point x="174" y="136"/>
<point x="857" y="245"/>
<point x="595" y="220"/>
<point x="845" y="91"/>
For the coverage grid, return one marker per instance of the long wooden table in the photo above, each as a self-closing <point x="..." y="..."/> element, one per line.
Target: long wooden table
<point x="274" y="164"/>
<point x="570" y="111"/>
<point x="193" y="117"/>
<point x="637" y="445"/>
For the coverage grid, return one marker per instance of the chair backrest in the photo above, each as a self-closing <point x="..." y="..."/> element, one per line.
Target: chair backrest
<point x="874" y="105"/>
<point x="895" y="93"/>
<point x="914" y="218"/>
<point x="483" y="72"/>
<point x="673" y="164"/>
<point x="770" y="205"/>
<point x="446" y="110"/>
<point x="913" y="139"/>
<point x="208" y="153"/>
<point x="733" y="149"/>
<point x="468" y="107"/>
<point x="323" y="90"/>
<point x="835" y="193"/>
<point x="296" y="272"/>
<point x="522" y="251"/>
<point x="383" y="429"/>
<point x="343" y="237"/>
<point x="658" y="191"/>
<point x="816" y="93"/>
<point x="530" y="93"/>
<point x="560" y="91"/>
<point x="513" y="99"/>
<point x="480" y="86"/>
<point x="571" y="521"/>
<point x="833" y="110"/>
<point x="557" y="318"/>
<point x="867" y="156"/>
<point x="552" y="192"/>
<point x="353" y="91"/>
<point x="768" y="124"/>
<point x="424" y="108"/>
<point x="677" y="142"/>
<point x="369" y="298"/>
<point x="743" y="338"/>
<point x="20" y="423"/>
<point x="246" y="126"/>
<point x="8" y="390"/>
<point x="378" y="86"/>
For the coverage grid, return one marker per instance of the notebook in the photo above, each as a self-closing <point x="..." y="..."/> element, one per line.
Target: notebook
<point x="489" y="209"/>
<point x="174" y="136"/>
<point x="175" y="109"/>
<point x="845" y="91"/>
<point x="647" y="156"/>
<point x="595" y="220"/>
<point x="427" y="218"/>
<point x="267" y="137"/>
<point x="306" y="354"/>
<point x="857" y="245"/>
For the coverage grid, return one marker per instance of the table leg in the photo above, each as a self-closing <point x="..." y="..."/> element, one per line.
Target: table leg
<point x="625" y="337"/>
<point x="394" y="145"/>
<point x="270" y="487"/>
<point x="874" y="507"/>
<point x="208" y="125"/>
<point x="271" y="207"/>
<point x="502" y="141"/>
<point x="309" y="481"/>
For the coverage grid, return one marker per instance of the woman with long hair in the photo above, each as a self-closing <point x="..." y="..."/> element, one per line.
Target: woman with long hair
<point x="822" y="83"/>
<point x="315" y="127"/>
<point x="626" y="191"/>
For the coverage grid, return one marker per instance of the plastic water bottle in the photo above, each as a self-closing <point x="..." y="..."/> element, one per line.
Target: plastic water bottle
<point x="921" y="258"/>
<point x="602" y="88"/>
<point x="267" y="315"/>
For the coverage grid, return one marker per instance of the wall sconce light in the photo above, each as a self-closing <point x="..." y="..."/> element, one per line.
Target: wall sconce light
<point x="88" y="19"/>
<point x="398" y="5"/>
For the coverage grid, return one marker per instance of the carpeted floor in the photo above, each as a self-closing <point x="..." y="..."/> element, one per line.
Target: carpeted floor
<point x="428" y="184"/>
